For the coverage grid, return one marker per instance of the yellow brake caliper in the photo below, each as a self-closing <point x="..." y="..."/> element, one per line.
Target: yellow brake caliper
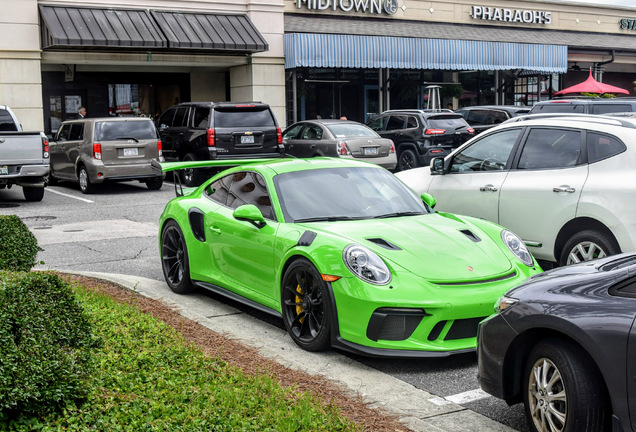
<point x="299" y="308"/>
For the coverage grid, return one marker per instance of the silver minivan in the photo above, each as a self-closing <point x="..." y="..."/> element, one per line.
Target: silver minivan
<point x="95" y="150"/>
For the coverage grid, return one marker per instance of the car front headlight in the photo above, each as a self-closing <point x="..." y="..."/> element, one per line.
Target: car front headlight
<point x="504" y="302"/>
<point x="517" y="247"/>
<point x="366" y="265"/>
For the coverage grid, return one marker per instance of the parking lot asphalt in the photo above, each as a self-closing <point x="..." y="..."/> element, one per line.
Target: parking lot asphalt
<point x="416" y="409"/>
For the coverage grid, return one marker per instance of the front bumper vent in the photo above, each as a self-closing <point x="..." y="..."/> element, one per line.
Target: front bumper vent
<point x="394" y="324"/>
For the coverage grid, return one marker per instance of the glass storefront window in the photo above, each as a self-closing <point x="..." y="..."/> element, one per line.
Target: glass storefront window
<point x="128" y="100"/>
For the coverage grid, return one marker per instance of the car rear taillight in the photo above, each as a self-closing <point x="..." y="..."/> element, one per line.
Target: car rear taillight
<point x="342" y="148"/>
<point x="434" y="132"/>
<point x="159" y="148"/>
<point x="392" y="147"/>
<point x="471" y="130"/>
<point x="45" y="147"/>
<point x="97" y="151"/>
<point x="279" y="136"/>
<point x="210" y="137"/>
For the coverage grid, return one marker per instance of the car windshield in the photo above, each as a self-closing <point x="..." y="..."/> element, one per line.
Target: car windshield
<point x="125" y="130"/>
<point x="331" y="194"/>
<point x="350" y="130"/>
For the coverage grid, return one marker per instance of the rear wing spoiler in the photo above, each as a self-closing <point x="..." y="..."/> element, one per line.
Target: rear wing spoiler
<point x="160" y="168"/>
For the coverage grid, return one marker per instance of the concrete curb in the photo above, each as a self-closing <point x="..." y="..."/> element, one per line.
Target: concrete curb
<point x="417" y="409"/>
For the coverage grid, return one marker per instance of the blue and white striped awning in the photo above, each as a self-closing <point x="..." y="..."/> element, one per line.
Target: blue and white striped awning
<point x="373" y="52"/>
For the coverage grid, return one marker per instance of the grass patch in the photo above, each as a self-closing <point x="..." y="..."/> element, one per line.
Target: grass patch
<point x="148" y="378"/>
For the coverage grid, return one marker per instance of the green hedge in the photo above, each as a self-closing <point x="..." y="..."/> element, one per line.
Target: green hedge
<point x="45" y="344"/>
<point x="18" y="246"/>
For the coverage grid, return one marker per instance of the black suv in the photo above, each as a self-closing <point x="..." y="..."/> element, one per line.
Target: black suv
<point x="218" y="130"/>
<point x="585" y="106"/>
<point x="484" y="117"/>
<point x="421" y="135"/>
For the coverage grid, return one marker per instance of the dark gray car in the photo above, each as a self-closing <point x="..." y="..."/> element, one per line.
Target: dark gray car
<point x="339" y="138"/>
<point x="564" y="344"/>
<point x="484" y="117"/>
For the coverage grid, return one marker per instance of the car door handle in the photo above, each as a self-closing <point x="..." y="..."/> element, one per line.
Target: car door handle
<point x="563" y="188"/>
<point x="488" y="188"/>
<point x="215" y="230"/>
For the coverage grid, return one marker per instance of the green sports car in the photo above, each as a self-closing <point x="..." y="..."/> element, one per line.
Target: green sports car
<point x="343" y="251"/>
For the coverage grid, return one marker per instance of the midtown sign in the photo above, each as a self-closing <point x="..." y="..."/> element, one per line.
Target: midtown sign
<point x="366" y="6"/>
<point x="511" y="15"/>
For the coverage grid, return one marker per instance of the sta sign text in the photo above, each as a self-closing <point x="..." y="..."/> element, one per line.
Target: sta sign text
<point x="511" y="15"/>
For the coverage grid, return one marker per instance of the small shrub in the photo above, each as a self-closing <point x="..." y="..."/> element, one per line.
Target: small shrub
<point x="18" y="245"/>
<point x="45" y="344"/>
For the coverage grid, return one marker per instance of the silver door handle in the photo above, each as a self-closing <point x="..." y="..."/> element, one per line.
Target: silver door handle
<point x="488" y="188"/>
<point x="567" y="189"/>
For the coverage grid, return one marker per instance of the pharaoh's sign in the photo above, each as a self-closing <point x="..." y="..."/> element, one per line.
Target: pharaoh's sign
<point x="511" y="15"/>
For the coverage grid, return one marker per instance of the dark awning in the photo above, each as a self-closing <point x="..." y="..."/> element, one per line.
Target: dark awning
<point x="64" y="26"/>
<point x="190" y="30"/>
<point x="84" y="27"/>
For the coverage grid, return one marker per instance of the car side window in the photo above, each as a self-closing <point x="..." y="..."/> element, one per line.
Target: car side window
<point x="201" y="117"/>
<point x="411" y="122"/>
<point x="490" y="153"/>
<point x="165" y="121"/>
<point x="77" y="132"/>
<point x="240" y="188"/>
<point x="292" y="133"/>
<point x="378" y="123"/>
<point x="396" y="122"/>
<point x="181" y="117"/>
<point x="600" y="146"/>
<point x="551" y="148"/>
<point x="312" y="132"/>
<point x="63" y="134"/>
<point x="610" y="108"/>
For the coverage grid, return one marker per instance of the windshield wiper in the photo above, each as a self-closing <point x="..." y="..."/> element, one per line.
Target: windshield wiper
<point x="398" y="214"/>
<point x="127" y="138"/>
<point x="328" y="219"/>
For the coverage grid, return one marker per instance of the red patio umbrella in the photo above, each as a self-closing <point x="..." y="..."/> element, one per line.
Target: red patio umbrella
<point x="590" y="85"/>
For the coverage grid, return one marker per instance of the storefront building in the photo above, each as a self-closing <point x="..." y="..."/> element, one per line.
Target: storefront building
<point x="136" y="57"/>
<point x="306" y="58"/>
<point x="356" y="58"/>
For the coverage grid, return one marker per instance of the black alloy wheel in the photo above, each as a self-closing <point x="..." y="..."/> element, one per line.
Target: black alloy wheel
<point x="407" y="160"/>
<point x="192" y="177"/>
<point x="174" y="259"/>
<point x="306" y="306"/>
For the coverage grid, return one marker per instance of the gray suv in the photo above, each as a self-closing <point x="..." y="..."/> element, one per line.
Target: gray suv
<point x="585" y="106"/>
<point x="421" y="135"/>
<point x="95" y="150"/>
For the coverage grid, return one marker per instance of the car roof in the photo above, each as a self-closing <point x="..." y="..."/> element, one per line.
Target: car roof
<point x="580" y="120"/>
<point x="224" y="104"/>
<point x="327" y="122"/>
<point x="110" y="119"/>
<point x="498" y="107"/>
<point x="577" y="101"/>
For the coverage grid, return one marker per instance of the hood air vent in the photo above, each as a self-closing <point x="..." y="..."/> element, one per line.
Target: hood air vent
<point x="471" y="235"/>
<point x="385" y="244"/>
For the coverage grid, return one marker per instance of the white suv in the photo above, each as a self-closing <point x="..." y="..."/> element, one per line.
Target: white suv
<point x="566" y="184"/>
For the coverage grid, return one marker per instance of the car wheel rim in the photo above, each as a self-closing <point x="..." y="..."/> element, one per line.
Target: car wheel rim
<point x="173" y="256"/>
<point x="547" y="397"/>
<point x="585" y="251"/>
<point x="407" y="161"/>
<point x="83" y="179"/>
<point x="304" y="304"/>
<point x="188" y="175"/>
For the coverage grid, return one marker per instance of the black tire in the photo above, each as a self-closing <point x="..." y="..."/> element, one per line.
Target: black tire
<point x="33" y="193"/>
<point x="306" y="305"/>
<point x="192" y="177"/>
<point x="407" y="159"/>
<point x="587" y="245"/>
<point x="84" y="181"/>
<point x="564" y="390"/>
<point x="174" y="259"/>
<point x="154" y="183"/>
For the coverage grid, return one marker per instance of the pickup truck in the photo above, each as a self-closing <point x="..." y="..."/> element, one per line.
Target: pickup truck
<point x="24" y="157"/>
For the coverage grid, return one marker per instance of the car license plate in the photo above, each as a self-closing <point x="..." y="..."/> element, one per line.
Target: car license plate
<point x="131" y="151"/>
<point x="247" y="139"/>
<point x="4" y="170"/>
<point x="370" y="151"/>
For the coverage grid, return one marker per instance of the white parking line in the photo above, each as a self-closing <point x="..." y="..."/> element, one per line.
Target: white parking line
<point x="461" y="398"/>
<point x="70" y="196"/>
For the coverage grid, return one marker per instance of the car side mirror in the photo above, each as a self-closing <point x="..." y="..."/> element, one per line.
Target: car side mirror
<point x="251" y="214"/>
<point x="428" y="199"/>
<point x="437" y="166"/>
